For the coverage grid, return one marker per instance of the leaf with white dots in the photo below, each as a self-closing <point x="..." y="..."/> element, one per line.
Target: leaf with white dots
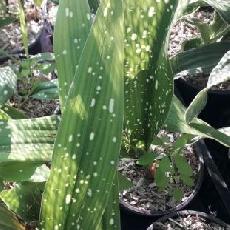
<point x="70" y="34"/>
<point x="148" y="76"/>
<point x="88" y="141"/>
<point x="8" y="80"/>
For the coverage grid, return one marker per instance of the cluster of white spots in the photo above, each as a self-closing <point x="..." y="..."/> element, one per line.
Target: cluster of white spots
<point x="156" y="84"/>
<point x="91" y="136"/>
<point x="133" y="36"/>
<point x="68" y="199"/>
<point x="98" y="88"/>
<point x="151" y="12"/>
<point x="88" y="16"/>
<point x="74" y="157"/>
<point x="93" y="102"/>
<point x="70" y="138"/>
<point x="111" y="105"/>
<point x="89" y="192"/>
<point x="114" y="139"/>
<point x="67" y="12"/>
<point x="111" y="221"/>
<point x="90" y="69"/>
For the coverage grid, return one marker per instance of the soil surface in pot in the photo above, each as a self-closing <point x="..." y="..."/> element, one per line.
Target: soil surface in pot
<point x="145" y="195"/>
<point x="200" y="80"/>
<point x="190" y="222"/>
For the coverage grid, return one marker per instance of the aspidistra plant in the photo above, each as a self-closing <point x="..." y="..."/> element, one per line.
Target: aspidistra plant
<point x="92" y="94"/>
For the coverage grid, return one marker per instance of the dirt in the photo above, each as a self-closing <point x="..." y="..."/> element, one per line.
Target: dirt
<point x="182" y="31"/>
<point x="190" y="222"/>
<point x="145" y="195"/>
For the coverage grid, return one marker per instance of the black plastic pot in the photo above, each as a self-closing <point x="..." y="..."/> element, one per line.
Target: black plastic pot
<point x="217" y="110"/>
<point x="132" y="218"/>
<point x="215" y="193"/>
<point x="209" y="218"/>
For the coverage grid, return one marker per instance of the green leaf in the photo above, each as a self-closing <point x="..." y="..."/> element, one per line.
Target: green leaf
<point x="8" y="81"/>
<point x="3" y="116"/>
<point x="201" y="59"/>
<point x="111" y="217"/>
<point x="6" y="21"/>
<point x="221" y="72"/>
<point x="38" y="2"/>
<point x="161" y="179"/>
<point x="148" y="76"/>
<point x="124" y="183"/>
<point x="70" y="34"/>
<point x="14" y="113"/>
<point x="9" y="221"/>
<point x="24" y="199"/>
<point x="197" y="105"/>
<point x="176" y="123"/>
<point x="45" y="90"/>
<point x="192" y="43"/>
<point x="157" y="141"/>
<point x="147" y="158"/>
<point x="184" y="169"/>
<point x="91" y="165"/>
<point x="24" y="171"/>
<point x="27" y="139"/>
<point x="181" y="142"/>
<point x="177" y="194"/>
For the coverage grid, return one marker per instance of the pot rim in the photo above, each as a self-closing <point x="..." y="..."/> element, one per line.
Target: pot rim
<point x="192" y="212"/>
<point x="129" y="208"/>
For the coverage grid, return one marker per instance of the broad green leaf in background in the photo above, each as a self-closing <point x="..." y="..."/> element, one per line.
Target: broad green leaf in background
<point x="24" y="199"/>
<point x="3" y="116"/>
<point x="8" y="84"/>
<point x="148" y="76"/>
<point x="87" y="151"/>
<point x="24" y="171"/>
<point x="27" y="139"/>
<point x="45" y="90"/>
<point x="13" y="113"/>
<point x="9" y="221"/>
<point x="221" y="72"/>
<point x="197" y="105"/>
<point x="111" y="217"/>
<point x="176" y="123"/>
<point x="201" y="59"/>
<point x="70" y="34"/>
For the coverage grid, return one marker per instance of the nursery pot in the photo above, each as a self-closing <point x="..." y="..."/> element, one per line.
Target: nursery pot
<point x="215" y="191"/>
<point x="206" y="217"/>
<point x="133" y="218"/>
<point x="217" y="109"/>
